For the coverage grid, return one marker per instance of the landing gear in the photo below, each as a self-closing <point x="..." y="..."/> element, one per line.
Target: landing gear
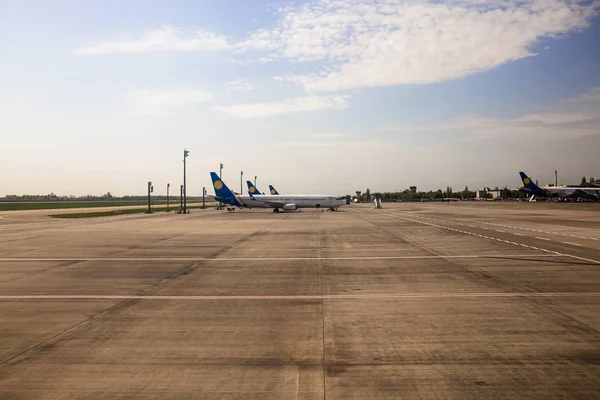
<point x="331" y="209"/>
<point x="276" y="210"/>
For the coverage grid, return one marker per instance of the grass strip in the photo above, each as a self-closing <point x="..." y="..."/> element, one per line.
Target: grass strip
<point x="110" y="213"/>
<point x="49" y="205"/>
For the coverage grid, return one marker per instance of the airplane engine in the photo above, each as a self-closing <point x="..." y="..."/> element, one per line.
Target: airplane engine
<point x="290" y="207"/>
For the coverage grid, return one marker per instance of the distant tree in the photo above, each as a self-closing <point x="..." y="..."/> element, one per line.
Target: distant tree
<point x="367" y="195"/>
<point x="592" y="180"/>
<point x="583" y="181"/>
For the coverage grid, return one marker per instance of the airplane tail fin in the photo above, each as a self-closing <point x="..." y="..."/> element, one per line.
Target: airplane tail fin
<point x="273" y="190"/>
<point x="222" y="192"/>
<point x="252" y="190"/>
<point x="528" y="183"/>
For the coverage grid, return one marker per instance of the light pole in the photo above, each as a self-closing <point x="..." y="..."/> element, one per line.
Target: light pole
<point x="254" y="180"/>
<point x="150" y="189"/>
<point x="180" y="199"/>
<point x="555" y="178"/>
<point x="185" y="155"/>
<point x="168" y="186"/>
<point x="203" y="194"/>
<point x="241" y="182"/>
<point x="219" y="204"/>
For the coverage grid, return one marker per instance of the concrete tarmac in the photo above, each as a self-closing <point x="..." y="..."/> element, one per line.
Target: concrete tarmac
<point x="415" y="301"/>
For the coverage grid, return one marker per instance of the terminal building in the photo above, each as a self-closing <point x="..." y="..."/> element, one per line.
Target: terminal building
<point x="496" y="194"/>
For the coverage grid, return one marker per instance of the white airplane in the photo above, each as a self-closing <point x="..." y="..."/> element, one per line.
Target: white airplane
<point x="287" y="203"/>
<point x="588" y="192"/>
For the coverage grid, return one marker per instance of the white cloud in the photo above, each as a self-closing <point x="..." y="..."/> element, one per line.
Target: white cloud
<point x="288" y="106"/>
<point x="397" y="42"/>
<point x="588" y="100"/>
<point x="239" y="85"/>
<point x="322" y="141"/>
<point x="163" y="102"/>
<point x="575" y="117"/>
<point x="165" y="39"/>
<point x="348" y="44"/>
<point x="326" y="135"/>
<point x="296" y="145"/>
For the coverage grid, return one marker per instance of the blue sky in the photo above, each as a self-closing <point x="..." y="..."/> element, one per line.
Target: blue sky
<point x="312" y="96"/>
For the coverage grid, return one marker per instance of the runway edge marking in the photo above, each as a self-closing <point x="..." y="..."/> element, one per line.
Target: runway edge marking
<point x="492" y="238"/>
<point x="301" y="297"/>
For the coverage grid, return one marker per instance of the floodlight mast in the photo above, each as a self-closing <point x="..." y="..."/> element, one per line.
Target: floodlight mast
<point x="185" y="155"/>
<point x="149" y="210"/>
<point x="180" y="199"/>
<point x="168" y="186"/>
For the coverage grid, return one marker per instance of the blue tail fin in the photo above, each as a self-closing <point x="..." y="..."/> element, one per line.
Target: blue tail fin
<point x="273" y="190"/>
<point x="252" y="190"/>
<point x="222" y="192"/>
<point x="528" y="183"/>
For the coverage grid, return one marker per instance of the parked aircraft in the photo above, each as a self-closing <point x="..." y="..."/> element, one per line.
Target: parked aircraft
<point x="286" y="203"/>
<point x="273" y="190"/>
<point x="588" y="192"/>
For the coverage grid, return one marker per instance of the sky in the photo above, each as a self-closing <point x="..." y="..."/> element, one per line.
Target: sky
<point x="324" y="96"/>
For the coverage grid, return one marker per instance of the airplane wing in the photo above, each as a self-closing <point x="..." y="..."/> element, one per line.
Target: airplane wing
<point x="586" y="193"/>
<point x="270" y="203"/>
<point x="575" y="192"/>
<point x="274" y="204"/>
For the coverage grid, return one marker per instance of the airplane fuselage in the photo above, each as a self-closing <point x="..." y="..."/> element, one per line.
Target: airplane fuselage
<point x="281" y="201"/>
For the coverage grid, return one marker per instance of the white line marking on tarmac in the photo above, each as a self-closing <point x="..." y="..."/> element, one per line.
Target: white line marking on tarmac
<point x="518" y="234"/>
<point x="582" y="258"/>
<point x="296" y="297"/>
<point x="267" y="258"/>
<point x="493" y="238"/>
<point x="515" y="227"/>
<point x="542" y="238"/>
<point x="573" y="244"/>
